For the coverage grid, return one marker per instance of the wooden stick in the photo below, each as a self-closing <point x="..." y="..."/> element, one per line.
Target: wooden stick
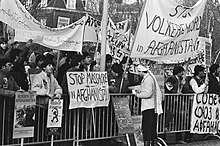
<point x="22" y="141"/>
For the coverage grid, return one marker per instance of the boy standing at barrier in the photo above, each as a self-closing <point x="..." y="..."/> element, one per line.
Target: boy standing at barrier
<point x="45" y="83"/>
<point x="151" y="104"/>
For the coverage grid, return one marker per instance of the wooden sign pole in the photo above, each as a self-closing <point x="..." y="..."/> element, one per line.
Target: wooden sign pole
<point x="22" y="141"/>
<point x="93" y="119"/>
<point x="128" y="140"/>
<point x="52" y="137"/>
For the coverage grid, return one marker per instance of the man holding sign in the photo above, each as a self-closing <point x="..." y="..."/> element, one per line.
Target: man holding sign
<point x="151" y="104"/>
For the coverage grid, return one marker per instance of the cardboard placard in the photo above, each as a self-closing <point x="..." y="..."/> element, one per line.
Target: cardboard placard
<point x="123" y="115"/>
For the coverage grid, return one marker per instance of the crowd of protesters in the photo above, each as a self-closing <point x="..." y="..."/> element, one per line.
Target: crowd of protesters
<point x="23" y="69"/>
<point x="25" y="65"/>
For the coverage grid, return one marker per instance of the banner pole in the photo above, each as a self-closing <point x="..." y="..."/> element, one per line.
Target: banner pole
<point x="184" y="76"/>
<point x="22" y="141"/>
<point x="104" y="34"/>
<point x="93" y="119"/>
<point x="127" y="61"/>
<point x="58" y="59"/>
<point x="128" y="140"/>
<point x="52" y="136"/>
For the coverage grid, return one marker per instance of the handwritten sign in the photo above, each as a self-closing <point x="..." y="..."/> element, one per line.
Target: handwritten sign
<point x="205" y="114"/>
<point x="123" y="115"/>
<point x="88" y="89"/>
<point x="168" y="31"/>
<point x="24" y="114"/>
<point x="55" y="111"/>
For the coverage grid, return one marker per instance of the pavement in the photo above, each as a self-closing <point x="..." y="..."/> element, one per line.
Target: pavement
<point x="199" y="140"/>
<point x="200" y="143"/>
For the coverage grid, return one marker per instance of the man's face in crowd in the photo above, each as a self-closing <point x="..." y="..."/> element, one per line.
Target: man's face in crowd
<point x="202" y="74"/>
<point x="180" y="75"/>
<point x="3" y="45"/>
<point x="87" y="60"/>
<point x="49" y="69"/>
<point x="108" y="64"/>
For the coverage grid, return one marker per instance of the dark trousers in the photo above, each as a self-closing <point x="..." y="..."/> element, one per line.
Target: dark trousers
<point x="149" y="125"/>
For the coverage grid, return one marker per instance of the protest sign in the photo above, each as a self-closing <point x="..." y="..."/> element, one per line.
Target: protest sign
<point x="205" y="116"/>
<point x="24" y="114"/>
<point x="167" y="31"/>
<point x="88" y="89"/>
<point x="123" y="115"/>
<point x="63" y="21"/>
<point x="55" y="111"/>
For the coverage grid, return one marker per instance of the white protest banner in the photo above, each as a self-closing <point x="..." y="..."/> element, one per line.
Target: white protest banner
<point x="167" y="31"/>
<point x="92" y="29"/>
<point x="117" y="39"/>
<point x="205" y="116"/>
<point x="88" y="89"/>
<point x="55" y="111"/>
<point x="24" y="114"/>
<point x="118" y="44"/>
<point x="68" y="38"/>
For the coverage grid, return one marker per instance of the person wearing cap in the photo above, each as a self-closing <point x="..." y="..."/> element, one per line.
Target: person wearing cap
<point x="45" y="84"/>
<point x="199" y="82"/>
<point x="151" y="104"/>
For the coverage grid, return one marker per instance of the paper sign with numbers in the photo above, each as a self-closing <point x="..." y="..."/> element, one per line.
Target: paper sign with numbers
<point x="55" y="111"/>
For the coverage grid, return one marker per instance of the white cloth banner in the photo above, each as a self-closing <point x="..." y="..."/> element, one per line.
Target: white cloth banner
<point x="68" y="38"/>
<point x="167" y="31"/>
<point x="205" y="117"/>
<point x="88" y="89"/>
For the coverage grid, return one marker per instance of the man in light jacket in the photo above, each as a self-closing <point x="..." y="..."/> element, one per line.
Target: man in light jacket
<point x="45" y="84"/>
<point x="151" y="104"/>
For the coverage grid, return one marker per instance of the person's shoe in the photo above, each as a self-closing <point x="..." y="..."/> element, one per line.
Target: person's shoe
<point x="181" y="142"/>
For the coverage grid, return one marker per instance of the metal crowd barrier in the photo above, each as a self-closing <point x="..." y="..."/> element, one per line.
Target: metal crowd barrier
<point x="77" y="124"/>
